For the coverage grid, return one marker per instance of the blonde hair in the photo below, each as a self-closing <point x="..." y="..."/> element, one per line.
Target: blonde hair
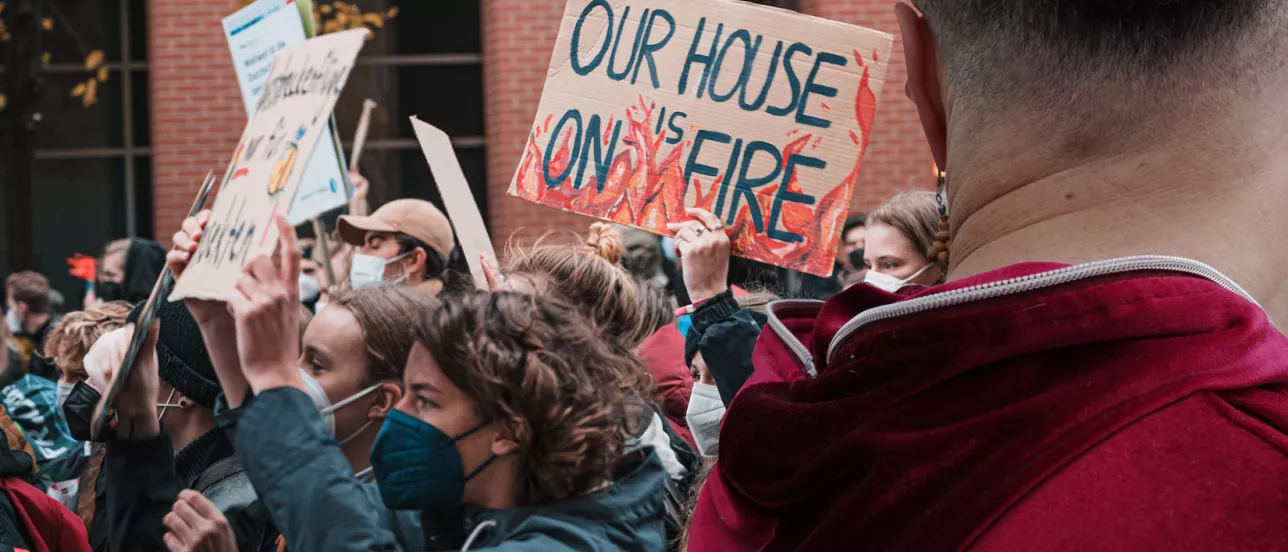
<point x="73" y="336"/>
<point x="591" y="277"/>
<point x="913" y="214"/>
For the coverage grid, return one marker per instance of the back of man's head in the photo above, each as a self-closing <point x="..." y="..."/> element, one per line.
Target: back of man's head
<point x="30" y="288"/>
<point x="1078" y="54"/>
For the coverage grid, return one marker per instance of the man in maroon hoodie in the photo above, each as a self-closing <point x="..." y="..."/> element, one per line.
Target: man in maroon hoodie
<point x="1091" y="377"/>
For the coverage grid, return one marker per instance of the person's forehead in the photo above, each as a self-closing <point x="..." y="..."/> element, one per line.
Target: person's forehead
<point x="334" y="331"/>
<point x="882" y="239"/>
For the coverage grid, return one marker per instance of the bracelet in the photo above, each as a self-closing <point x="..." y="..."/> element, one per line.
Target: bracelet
<point x="689" y="309"/>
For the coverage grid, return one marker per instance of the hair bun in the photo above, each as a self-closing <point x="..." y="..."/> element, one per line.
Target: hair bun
<point x="607" y="242"/>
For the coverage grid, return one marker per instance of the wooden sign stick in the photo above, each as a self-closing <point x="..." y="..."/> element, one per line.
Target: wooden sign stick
<point x="360" y="135"/>
<point x="159" y="291"/>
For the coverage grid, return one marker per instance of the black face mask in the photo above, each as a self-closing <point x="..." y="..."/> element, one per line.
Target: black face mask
<point x="109" y="291"/>
<point x="78" y="409"/>
<point x="856" y="259"/>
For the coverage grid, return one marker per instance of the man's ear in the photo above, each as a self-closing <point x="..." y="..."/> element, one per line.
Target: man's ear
<point x="387" y="397"/>
<point x="418" y="258"/>
<point x="925" y="88"/>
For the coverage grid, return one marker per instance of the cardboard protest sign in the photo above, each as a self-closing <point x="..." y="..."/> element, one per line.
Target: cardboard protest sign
<point x="255" y="33"/>
<point x="457" y="197"/>
<point x="269" y="162"/>
<point x="754" y="113"/>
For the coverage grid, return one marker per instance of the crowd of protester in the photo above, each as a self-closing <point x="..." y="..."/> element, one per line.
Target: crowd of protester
<point x="1025" y="359"/>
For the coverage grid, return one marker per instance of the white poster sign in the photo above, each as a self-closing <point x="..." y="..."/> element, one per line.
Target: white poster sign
<point x="255" y="33"/>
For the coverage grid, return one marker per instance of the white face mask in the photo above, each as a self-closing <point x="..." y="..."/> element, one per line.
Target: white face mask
<point x="15" y="325"/>
<point x="64" y="389"/>
<point x="327" y="410"/>
<point x="310" y="288"/>
<point x="369" y="271"/>
<point x="704" y="415"/>
<point x="889" y="283"/>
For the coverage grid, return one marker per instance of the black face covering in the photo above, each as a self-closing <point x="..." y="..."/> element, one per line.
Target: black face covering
<point x="109" y="291"/>
<point x="856" y="259"/>
<point x="78" y="409"/>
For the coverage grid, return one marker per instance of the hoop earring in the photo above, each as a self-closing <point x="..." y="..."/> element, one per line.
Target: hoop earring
<point x="943" y="240"/>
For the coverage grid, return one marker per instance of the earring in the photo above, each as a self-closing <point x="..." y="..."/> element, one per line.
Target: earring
<point x="943" y="241"/>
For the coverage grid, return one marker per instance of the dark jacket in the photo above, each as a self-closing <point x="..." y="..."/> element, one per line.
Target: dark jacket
<point x="142" y="481"/>
<point x="725" y="334"/>
<point x="318" y="504"/>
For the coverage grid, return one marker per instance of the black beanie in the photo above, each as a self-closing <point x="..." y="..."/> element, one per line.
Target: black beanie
<point x="181" y="354"/>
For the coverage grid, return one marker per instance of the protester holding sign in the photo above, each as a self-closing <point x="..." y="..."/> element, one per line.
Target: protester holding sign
<point x="1034" y="403"/>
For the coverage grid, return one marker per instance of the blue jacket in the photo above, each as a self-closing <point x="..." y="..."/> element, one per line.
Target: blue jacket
<point x="317" y="503"/>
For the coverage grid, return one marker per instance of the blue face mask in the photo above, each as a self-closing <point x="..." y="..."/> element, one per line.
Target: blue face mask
<point x="417" y="466"/>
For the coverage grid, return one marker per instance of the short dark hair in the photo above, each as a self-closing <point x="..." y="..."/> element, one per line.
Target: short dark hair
<point x="434" y="263"/>
<point x="857" y="220"/>
<point x="1040" y="48"/>
<point x="30" y="288"/>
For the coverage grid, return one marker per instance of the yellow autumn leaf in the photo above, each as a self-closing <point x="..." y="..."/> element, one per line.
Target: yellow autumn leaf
<point x="4" y="100"/>
<point x="45" y="59"/>
<point x="353" y="9"/>
<point x="324" y="8"/>
<point x="375" y="20"/>
<point x="392" y="13"/>
<point x="330" y="26"/>
<point x="91" y="93"/>
<point x="93" y="60"/>
<point x="340" y="5"/>
<point x="47" y="23"/>
<point x="102" y="74"/>
<point x="341" y="18"/>
<point x="79" y="90"/>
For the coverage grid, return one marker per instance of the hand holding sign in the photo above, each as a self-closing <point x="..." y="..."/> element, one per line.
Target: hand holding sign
<point x="135" y="406"/>
<point x="265" y="304"/>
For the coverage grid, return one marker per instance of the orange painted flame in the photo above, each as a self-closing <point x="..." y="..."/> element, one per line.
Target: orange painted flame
<point x="645" y="187"/>
<point x="83" y="267"/>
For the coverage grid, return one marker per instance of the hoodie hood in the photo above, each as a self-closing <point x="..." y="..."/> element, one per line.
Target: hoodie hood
<point x="914" y="431"/>
<point x="144" y="262"/>
<point x="628" y="515"/>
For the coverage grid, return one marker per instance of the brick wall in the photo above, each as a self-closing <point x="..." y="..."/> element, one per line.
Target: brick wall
<point x="518" y="37"/>
<point x="898" y="158"/>
<point x="197" y="111"/>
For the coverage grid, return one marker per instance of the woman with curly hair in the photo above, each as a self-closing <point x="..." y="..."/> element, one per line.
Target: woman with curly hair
<point x="516" y="409"/>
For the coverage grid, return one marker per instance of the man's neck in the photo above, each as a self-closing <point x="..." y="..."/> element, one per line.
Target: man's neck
<point x="1211" y="195"/>
<point x="34" y="322"/>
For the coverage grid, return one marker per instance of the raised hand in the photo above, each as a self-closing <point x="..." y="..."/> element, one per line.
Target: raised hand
<point x="196" y="525"/>
<point x="186" y="241"/>
<point x="265" y="305"/>
<point x="136" y="410"/>
<point x="702" y="244"/>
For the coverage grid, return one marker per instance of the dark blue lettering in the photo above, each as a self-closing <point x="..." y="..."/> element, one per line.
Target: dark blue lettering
<point x="692" y="166"/>
<point x="749" y="56"/>
<point x="746" y="187"/>
<point x="553" y="181"/>
<point x="646" y="53"/>
<point x="602" y="161"/>
<point x="785" y="195"/>
<point x="617" y="45"/>
<point x="769" y="80"/>
<point x="577" y="67"/>
<point x="679" y="132"/>
<point x="657" y="129"/>
<point x="728" y="181"/>
<point x="792" y="80"/>
<point x="812" y="87"/>
<point x="694" y="57"/>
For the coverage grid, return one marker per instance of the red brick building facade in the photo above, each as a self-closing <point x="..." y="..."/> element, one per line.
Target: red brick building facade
<point x="197" y="114"/>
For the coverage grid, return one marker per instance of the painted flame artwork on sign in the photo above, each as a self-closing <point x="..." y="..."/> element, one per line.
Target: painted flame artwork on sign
<point x="645" y="187"/>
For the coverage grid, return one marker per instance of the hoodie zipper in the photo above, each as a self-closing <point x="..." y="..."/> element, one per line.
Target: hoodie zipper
<point x="1003" y="288"/>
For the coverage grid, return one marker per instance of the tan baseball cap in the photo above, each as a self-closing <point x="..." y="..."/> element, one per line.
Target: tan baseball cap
<point x="415" y="217"/>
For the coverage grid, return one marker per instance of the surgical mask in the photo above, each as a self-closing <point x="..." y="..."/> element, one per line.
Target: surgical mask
<point x="889" y="283"/>
<point x="369" y="271"/>
<point x="327" y="410"/>
<point x="109" y="291"/>
<point x="15" y="324"/>
<point x="310" y="288"/>
<point x="78" y="409"/>
<point x="64" y="389"/>
<point x="417" y="466"/>
<point x="705" y="412"/>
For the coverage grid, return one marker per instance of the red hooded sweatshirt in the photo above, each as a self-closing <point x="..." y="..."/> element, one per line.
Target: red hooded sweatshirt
<point x="1134" y="404"/>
